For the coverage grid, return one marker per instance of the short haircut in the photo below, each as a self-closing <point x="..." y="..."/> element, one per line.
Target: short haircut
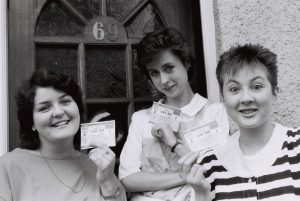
<point x="25" y="104"/>
<point x="247" y="56"/>
<point x="160" y="40"/>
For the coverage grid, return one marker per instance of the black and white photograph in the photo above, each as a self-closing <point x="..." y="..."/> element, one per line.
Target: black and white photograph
<point x="150" y="100"/>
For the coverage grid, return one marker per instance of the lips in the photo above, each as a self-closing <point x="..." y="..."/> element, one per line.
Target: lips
<point x="60" y="123"/>
<point x="249" y="111"/>
<point x="168" y="88"/>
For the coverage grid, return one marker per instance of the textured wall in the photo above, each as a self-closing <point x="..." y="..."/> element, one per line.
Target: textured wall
<point x="274" y="24"/>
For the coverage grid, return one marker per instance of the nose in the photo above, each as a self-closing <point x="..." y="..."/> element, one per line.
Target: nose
<point x="246" y="97"/>
<point x="164" y="78"/>
<point x="57" y="111"/>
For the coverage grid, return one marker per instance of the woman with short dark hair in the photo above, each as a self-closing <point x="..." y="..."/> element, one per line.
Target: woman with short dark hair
<point x="261" y="162"/>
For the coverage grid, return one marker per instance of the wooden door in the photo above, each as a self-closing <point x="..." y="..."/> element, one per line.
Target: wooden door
<point x="94" y="41"/>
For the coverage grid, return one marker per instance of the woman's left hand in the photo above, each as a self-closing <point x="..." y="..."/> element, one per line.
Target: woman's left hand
<point x="104" y="158"/>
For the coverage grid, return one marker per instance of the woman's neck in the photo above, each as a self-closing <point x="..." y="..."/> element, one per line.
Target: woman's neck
<point x="182" y="100"/>
<point x="64" y="149"/>
<point x="253" y="140"/>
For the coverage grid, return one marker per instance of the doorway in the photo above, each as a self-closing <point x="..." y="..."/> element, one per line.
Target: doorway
<point x="94" y="42"/>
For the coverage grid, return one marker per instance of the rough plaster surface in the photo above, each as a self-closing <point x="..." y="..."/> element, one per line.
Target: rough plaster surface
<point x="275" y="24"/>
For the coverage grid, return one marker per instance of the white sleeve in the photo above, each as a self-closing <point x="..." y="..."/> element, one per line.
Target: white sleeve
<point x="222" y="120"/>
<point x="5" y="189"/>
<point x="130" y="159"/>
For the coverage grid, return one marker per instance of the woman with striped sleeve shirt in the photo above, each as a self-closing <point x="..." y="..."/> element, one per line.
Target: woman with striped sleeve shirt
<point x="262" y="161"/>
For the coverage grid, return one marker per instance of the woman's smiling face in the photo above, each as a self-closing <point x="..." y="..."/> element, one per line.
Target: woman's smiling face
<point x="169" y="74"/>
<point x="248" y="97"/>
<point x="55" y="115"/>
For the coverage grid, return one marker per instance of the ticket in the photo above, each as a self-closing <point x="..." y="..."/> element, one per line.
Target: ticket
<point x="102" y="132"/>
<point x="161" y="113"/>
<point x="202" y="137"/>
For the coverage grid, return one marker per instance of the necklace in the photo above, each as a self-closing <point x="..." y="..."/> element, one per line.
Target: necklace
<point x="58" y="179"/>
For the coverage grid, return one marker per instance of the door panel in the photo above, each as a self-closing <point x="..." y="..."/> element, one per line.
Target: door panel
<point x="94" y="42"/>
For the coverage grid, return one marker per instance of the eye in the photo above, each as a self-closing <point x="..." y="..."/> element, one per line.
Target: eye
<point x="169" y="68"/>
<point x="233" y="89"/>
<point x="44" y="108"/>
<point x="257" y="86"/>
<point x="153" y="73"/>
<point x="66" y="101"/>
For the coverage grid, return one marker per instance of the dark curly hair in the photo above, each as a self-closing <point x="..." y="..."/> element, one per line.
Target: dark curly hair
<point x="247" y="56"/>
<point x="165" y="39"/>
<point x="25" y="103"/>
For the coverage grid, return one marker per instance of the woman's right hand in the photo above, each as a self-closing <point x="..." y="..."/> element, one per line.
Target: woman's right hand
<point x="104" y="158"/>
<point x="164" y="133"/>
<point x="192" y="174"/>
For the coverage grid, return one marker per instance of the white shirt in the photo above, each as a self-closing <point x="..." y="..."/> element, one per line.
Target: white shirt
<point x="143" y="152"/>
<point x="247" y="166"/>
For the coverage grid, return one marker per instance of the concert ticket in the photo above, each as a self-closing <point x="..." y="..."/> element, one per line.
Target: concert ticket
<point x="202" y="137"/>
<point x="102" y="132"/>
<point x="161" y="113"/>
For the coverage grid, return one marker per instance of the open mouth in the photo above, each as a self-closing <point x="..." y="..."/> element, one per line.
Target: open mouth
<point x="248" y="111"/>
<point x="60" y="123"/>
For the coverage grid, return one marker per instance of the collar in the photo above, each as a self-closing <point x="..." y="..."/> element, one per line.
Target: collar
<point x="195" y="105"/>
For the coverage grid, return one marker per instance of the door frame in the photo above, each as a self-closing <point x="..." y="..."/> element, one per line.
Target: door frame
<point x="209" y="49"/>
<point x="210" y="59"/>
<point x="3" y="79"/>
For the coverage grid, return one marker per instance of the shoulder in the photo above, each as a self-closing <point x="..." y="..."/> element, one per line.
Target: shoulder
<point x="141" y="115"/>
<point x="200" y="104"/>
<point x="215" y="106"/>
<point x="16" y="156"/>
<point x="289" y="132"/>
<point x="293" y="132"/>
<point x="221" y="153"/>
<point x="292" y="137"/>
<point x="209" y="105"/>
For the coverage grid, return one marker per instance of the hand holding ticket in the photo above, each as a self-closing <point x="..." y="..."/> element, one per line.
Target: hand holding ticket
<point x="102" y="132"/>
<point x="161" y="113"/>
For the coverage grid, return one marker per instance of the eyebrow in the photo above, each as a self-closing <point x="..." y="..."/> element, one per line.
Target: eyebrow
<point x="253" y="79"/>
<point x="163" y="66"/>
<point x="167" y="64"/>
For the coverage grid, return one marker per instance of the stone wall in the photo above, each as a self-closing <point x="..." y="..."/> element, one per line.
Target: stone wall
<point x="275" y="24"/>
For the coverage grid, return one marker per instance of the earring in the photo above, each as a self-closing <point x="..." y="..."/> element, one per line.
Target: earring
<point x="33" y="129"/>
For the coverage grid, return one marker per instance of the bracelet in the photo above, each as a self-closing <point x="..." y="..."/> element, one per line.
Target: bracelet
<point x="113" y="196"/>
<point x="175" y="145"/>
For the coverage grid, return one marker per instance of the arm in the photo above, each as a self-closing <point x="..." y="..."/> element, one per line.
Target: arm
<point x="144" y="181"/>
<point x="109" y="186"/>
<point x="113" y="190"/>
